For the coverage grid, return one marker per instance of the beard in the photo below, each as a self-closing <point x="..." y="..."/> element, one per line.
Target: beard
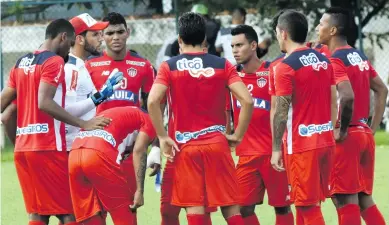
<point x="92" y="50"/>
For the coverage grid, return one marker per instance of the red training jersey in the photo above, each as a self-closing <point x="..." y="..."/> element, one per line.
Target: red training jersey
<point x="257" y="139"/>
<point x="197" y="86"/>
<point x="36" y="130"/>
<point x="112" y="140"/>
<point x="307" y="76"/>
<point x="351" y="64"/>
<point x="138" y="75"/>
<point x="272" y="68"/>
<point x="323" y="49"/>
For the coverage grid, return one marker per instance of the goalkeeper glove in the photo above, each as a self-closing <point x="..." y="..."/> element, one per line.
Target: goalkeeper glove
<point x="113" y="82"/>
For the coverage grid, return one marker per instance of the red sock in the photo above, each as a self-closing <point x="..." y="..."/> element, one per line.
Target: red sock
<point x="94" y="220"/>
<point x="35" y="222"/>
<point x="312" y="215"/>
<point x="372" y="216"/>
<point x="196" y="219"/>
<point x="299" y="217"/>
<point x="350" y="215"/>
<point x="339" y="217"/>
<point x="251" y="220"/>
<point x="235" y="220"/>
<point x="208" y="220"/>
<point x="285" y="219"/>
<point x="72" y="223"/>
<point x="169" y="214"/>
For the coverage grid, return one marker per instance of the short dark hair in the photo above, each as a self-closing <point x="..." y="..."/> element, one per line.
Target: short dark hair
<point x="275" y="20"/>
<point x="59" y="26"/>
<point x="248" y="32"/>
<point x="115" y="18"/>
<point x="295" y="23"/>
<point x="340" y="18"/>
<point x="191" y="28"/>
<point x="239" y="11"/>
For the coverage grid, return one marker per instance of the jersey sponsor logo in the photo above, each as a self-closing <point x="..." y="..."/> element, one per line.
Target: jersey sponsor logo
<point x="102" y="63"/>
<point x="261" y="82"/>
<point x="38" y="128"/>
<point x="195" y="67"/>
<point x="105" y="73"/>
<point x="135" y="63"/>
<point x="132" y="72"/>
<point x="309" y="130"/>
<point x="313" y="60"/>
<point x="187" y="136"/>
<point x="108" y="137"/>
<point x="258" y="104"/>
<point x="124" y="95"/>
<point x="356" y="60"/>
<point x="262" y="73"/>
<point x="25" y="64"/>
<point x="73" y="82"/>
<point x="241" y="74"/>
<point x="56" y="79"/>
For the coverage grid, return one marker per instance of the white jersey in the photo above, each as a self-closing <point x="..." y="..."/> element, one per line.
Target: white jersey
<point x="79" y="87"/>
<point x="223" y="40"/>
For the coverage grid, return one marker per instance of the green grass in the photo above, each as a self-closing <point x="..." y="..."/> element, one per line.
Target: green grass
<point x="13" y="211"/>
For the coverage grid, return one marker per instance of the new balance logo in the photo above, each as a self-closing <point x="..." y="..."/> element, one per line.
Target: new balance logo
<point x="313" y="60"/>
<point x="105" y="73"/>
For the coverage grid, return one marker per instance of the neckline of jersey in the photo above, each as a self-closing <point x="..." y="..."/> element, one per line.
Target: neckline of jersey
<point x="259" y="68"/>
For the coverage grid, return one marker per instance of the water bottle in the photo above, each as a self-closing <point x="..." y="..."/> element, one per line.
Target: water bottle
<point x="158" y="182"/>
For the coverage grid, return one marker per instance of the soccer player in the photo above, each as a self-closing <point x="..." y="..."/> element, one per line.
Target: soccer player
<point x="97" y="181"/>
<point x="204" y="166"/>
<point x="353" y="162"/>
<point x="306" y="112"/>
<point x="37" y="83"/>
<point x="254" y="171"/>
<point x="81" y="97"/>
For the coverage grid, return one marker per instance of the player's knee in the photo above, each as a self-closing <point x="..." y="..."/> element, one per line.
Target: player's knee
<point x="37" y="217"/>
<point x="344" y="199"/>
<point x="66" y="219"/>
<point x="365" y="201"/>
<point x="123" y="216"/>
<point x="282" y="210"/>
<point x="168" y="210"/>
<point x="247" y="210"/>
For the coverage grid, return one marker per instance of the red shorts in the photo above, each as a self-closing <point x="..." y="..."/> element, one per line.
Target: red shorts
<point x="309" y="174"/>
<point x="353" y="163"/>
<point x="255" y="175"/>
<point x="44" y="179"/>
<point x="98" y="184"/>
<point x="167" y="186"/>
<point x="204" y="175"/>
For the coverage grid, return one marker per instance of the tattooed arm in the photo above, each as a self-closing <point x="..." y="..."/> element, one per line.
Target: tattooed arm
<point x="279" y="120"/>
<point x="140" y="160"/>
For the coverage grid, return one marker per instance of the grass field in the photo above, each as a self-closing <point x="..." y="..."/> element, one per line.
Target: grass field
<point x="13" y="212"/>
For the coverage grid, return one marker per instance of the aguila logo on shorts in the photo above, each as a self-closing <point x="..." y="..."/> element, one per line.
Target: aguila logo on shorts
<point x="187" y="136"/>
<point x="102" y="63"/>
<point x="195" y="67"/>
<point x="108" y="137"/>
<point x="309" y="130"/>
<point x="26" y="64"/>
<point x="313" y="60"/>
<point x="356" y="60"/>
<point x="38" y="128"/>
<point x="261" y="82"/>
<point x="132" y="72"/>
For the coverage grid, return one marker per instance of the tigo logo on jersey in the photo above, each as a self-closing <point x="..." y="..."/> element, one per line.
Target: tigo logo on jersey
<point x="356" y="60"/>
<point x="108" y="137"/>
<point x="261" y="82"/>
<point x="132" y="72"/>
<point x="38" y="128"/>
<point x="25" y="64"/>
<point x="313" y="60"/>
<point x="187" y="136"/>
<point x="102" y="63"/>
<point x="195" y="67"/>
<point x="309" y="130"/>
<point x="135" y="63"/>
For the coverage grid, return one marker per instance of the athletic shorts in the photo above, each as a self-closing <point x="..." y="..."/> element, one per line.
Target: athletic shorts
<point x="353" y="163"/>
<point x="44" y="179"/>
<point x="204" y="175"/>
<point x="308" y="175"/>
<point x="255" y="175"/>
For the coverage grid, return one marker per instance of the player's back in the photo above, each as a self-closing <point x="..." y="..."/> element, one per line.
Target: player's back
<point x="359" y="71"/>
<point x="36" y="129"/>
<point x="309" y="116"/>
<point x="113" y="139"/>
<point x="197" y="95"/>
